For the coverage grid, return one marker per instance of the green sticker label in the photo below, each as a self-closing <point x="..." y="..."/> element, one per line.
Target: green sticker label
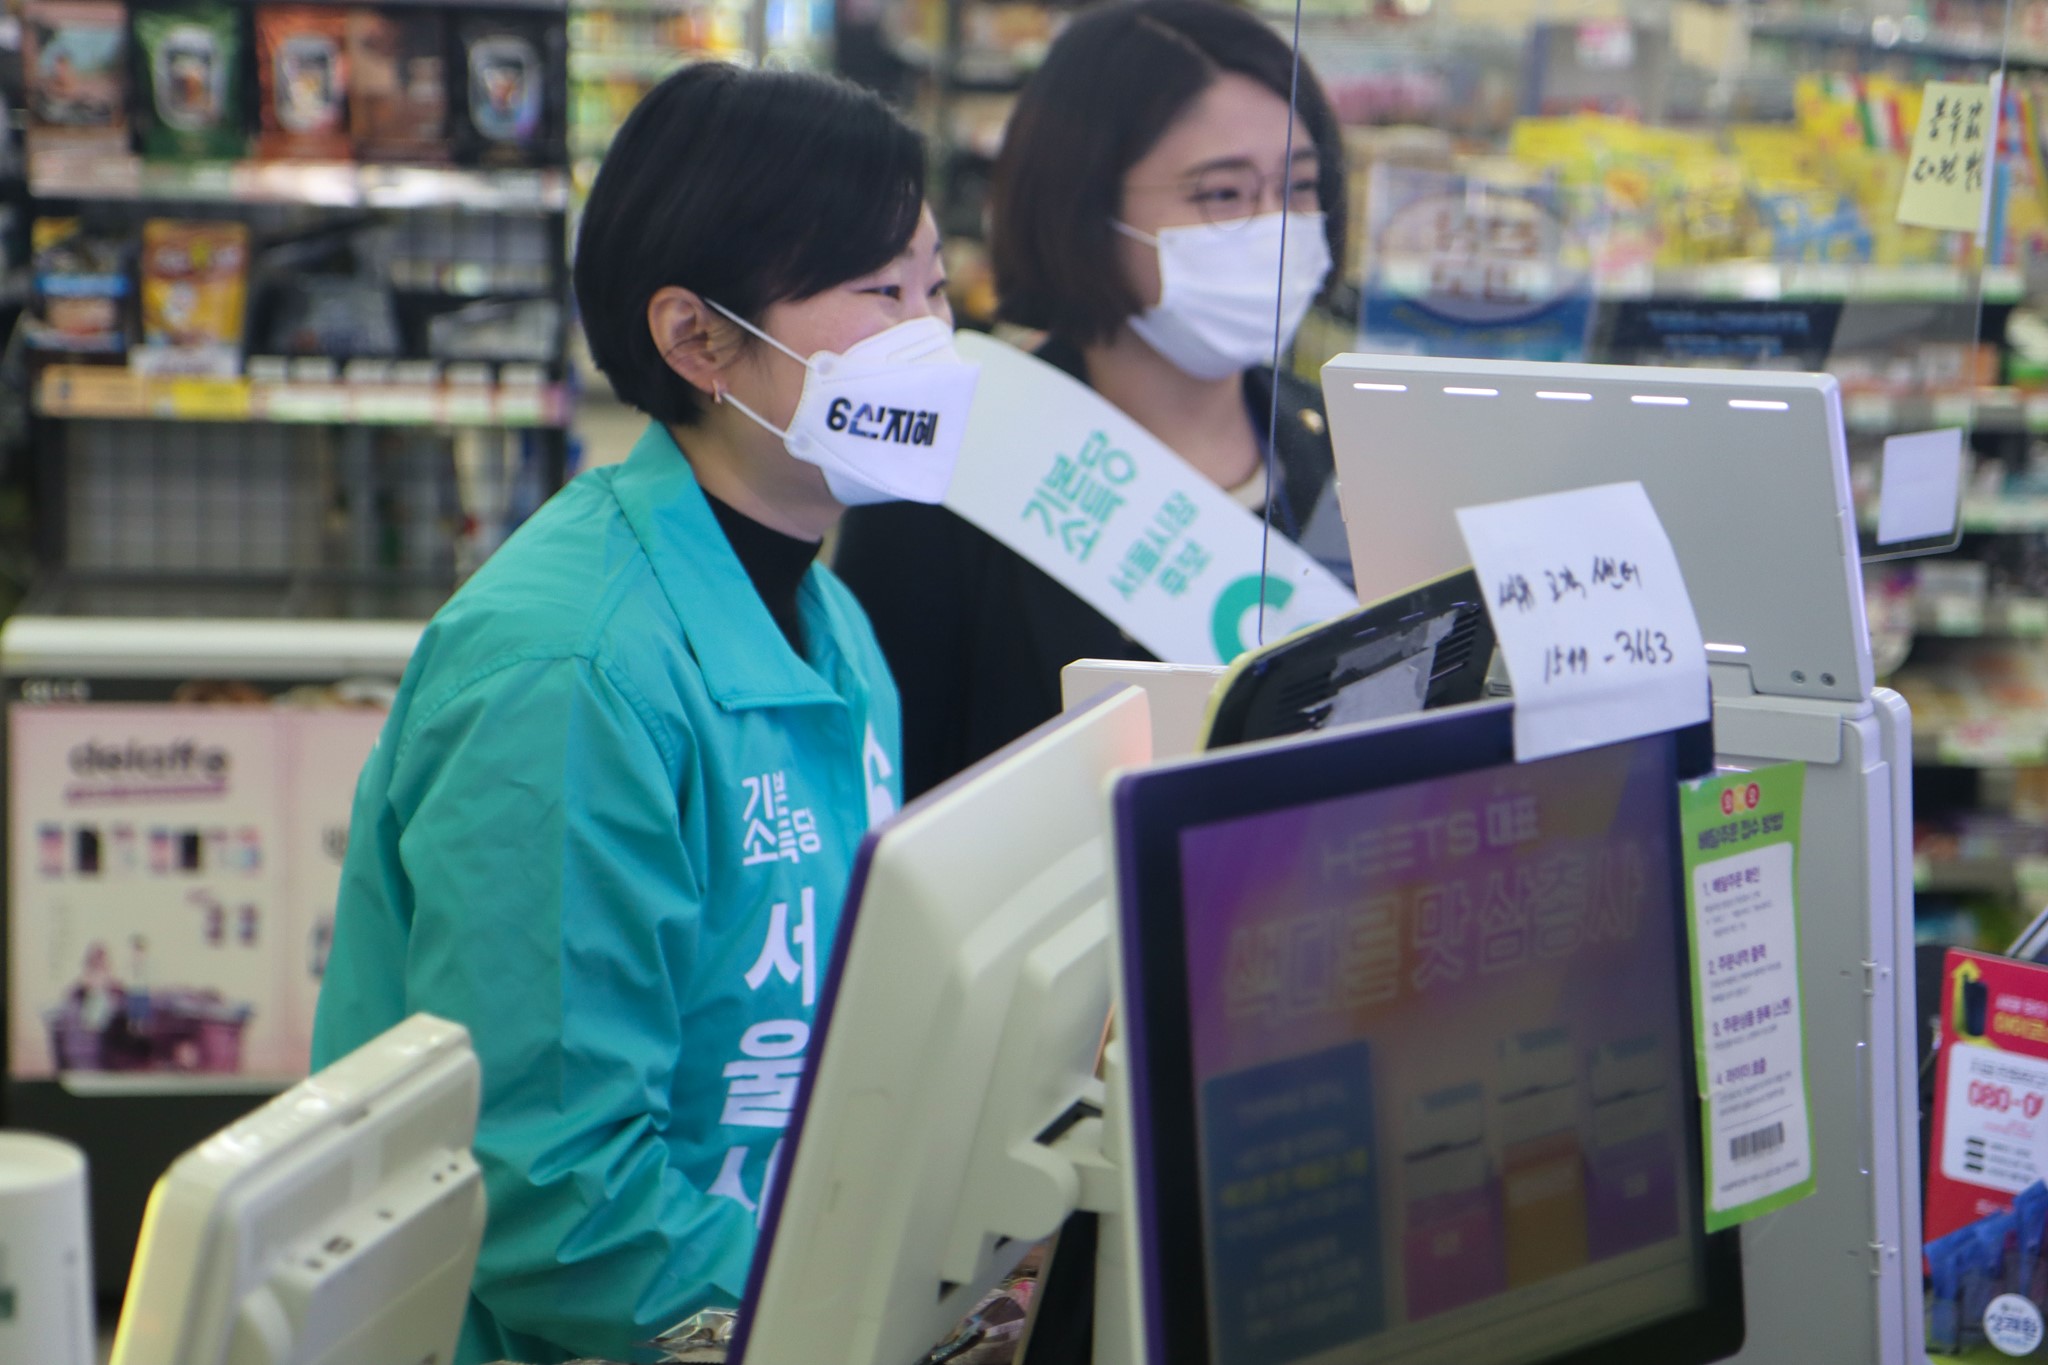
<point x="1741" y="844"/>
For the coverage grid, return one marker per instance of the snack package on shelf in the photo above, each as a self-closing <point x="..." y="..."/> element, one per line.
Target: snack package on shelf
<point x="302" y="71"/>
<point x="189" y="75"/>
<point x="497" y="329"/>
<point x="2019" y="215"/>
<point x="80" y="290"/>
<point x="1473" y="265"/>
<point x="74" y="68"/>
<point x="195" y="290"/>
<point x="510" y="80"/>
<point x="334" y="316"/>
<point x="397" y="85"/>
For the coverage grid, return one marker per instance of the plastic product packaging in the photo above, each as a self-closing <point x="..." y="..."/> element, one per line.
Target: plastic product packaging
<point x="81" y="290"/>
<point x="1945" y="1257"/>
<point x="497" y="329"/>
<point x="398" y="88"/>
<point x="302" y="67"/>
<point x="189" y="69"/>
<point x="2028" y="1274"/>
<point x="338" y="316"/>
<point x="74" y="64"/>
<point x="511" y="74"/>
<point x="1984" y="1277"/>
<point x="195" y="288"/>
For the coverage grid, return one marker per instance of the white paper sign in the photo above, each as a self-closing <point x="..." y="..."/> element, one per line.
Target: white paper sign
<point x="1063" y="477"/>
<point x="1592" y="617"/>
<point x="1749" y="988"/>
<point x="1994" y="1144"/>
<point x="1920" y="486"/>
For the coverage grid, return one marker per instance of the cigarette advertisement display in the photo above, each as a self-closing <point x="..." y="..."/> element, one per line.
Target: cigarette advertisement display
<point x="1987" y="1208"/>
<point x="170" y="872"/>
<point x="1441" y="1063"/>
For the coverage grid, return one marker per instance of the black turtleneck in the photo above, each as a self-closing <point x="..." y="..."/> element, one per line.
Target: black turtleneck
<point x="775" y="562"/>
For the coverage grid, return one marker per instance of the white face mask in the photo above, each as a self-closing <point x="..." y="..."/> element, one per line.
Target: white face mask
<point x="885" y="419"/>
<point x="1215" y="313"/>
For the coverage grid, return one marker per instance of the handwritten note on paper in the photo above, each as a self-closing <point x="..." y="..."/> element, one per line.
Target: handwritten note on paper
<point x="1948" y="172"/>
<point x="1592" y="616"/>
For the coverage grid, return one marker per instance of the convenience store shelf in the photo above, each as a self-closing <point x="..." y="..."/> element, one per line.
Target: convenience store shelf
<point x="467" y="279"/>
<point x="1767" y="281"/>
<point x="1964" y="876"/>
<point x="1907" y="37"/>
<point x="2018" y="740"/>
<point x="596" y="64"/>
<point x="2005" y="516"/>
<point x="1989" y="409"/>
<point x="326" y="184"/>
<point x="2009" y="618"/>
<point x="105" y="392"/>
<point x="1902" y="283"/>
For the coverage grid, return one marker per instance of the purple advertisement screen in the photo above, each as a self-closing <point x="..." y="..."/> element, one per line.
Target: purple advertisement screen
<point x="1440" y="1052"/>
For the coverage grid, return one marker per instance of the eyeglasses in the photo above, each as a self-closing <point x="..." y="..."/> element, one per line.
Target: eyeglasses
<point x="1228" y="195"/>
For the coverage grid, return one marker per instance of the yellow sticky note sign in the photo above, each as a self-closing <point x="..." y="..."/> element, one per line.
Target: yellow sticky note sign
<point x="1714" y="38"/>
<point x="1948" y="172"/>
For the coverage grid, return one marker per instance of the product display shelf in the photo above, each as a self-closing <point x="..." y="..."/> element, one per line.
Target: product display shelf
<point x="1977" y="876"/>
<point x="2002" y="515"/>
<point x="618" y="50"/>
<point x="87" y="391"/>
<point x="648" y="64"/>
<point x="2013" y="740"/>
<point x="1997" y="617"/>
<point x="338" y="185"/>
<point x="1898" y="36"/>
<point x="393" y="394"/>
<point x="1759" y="282"/>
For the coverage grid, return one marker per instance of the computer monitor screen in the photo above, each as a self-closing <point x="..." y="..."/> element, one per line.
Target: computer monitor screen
<point x="1412" y="1053"/>
<point x="336" y="1225"/>
<point x="961" y="1015"/>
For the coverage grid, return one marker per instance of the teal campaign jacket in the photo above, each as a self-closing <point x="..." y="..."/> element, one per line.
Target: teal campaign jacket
<point x="608" y="827"/>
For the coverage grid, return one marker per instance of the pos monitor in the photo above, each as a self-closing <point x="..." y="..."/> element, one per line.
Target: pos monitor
<point x="336" y="1225"/>
<point x="1410" y="1054"/>
<point x="961" y="1016"/>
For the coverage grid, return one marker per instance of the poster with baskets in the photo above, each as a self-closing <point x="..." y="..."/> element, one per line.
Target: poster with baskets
<point x="167" y="870"/>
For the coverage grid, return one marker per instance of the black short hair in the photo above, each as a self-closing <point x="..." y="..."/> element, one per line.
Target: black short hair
<point x="748" y="188"/>
<point x="1112" y="84"/>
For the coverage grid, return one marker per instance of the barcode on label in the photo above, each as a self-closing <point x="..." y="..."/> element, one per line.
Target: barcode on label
<point x="1756" y="1144"/>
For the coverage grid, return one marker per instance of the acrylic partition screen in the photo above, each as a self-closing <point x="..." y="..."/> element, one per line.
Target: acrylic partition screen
<point x="1458" y="1006"/>
<point x="1735" y="185"/>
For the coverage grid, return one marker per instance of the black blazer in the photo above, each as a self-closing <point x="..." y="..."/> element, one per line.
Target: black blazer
<point x="977" y="635"/>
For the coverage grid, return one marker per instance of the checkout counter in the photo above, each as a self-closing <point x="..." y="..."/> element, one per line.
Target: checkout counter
<point x="964" y="1106"/>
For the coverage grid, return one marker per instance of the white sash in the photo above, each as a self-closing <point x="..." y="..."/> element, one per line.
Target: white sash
<point x="1060" y="475"/>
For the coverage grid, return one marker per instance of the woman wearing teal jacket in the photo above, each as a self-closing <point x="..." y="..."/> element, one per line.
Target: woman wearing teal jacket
<point x="610" y="822"/>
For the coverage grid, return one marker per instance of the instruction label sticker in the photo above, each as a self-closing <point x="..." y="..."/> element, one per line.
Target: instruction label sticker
<point x="1741" y="833"/>
<point x="1066" y="479"/>
<point x="1948" y="172"/>
<point x="1592" y="616"/>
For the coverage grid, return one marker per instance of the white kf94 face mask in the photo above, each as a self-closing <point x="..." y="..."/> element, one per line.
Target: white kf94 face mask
<point x="884" y="420"/>
<point x="1216" y="296"/>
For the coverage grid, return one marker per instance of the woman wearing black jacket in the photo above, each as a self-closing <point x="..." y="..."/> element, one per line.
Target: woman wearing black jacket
<point x="1148" y="178"/>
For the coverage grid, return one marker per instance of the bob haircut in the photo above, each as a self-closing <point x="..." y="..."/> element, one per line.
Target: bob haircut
<point x="747" y="188"/>
<point x="1112" y="84"/>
